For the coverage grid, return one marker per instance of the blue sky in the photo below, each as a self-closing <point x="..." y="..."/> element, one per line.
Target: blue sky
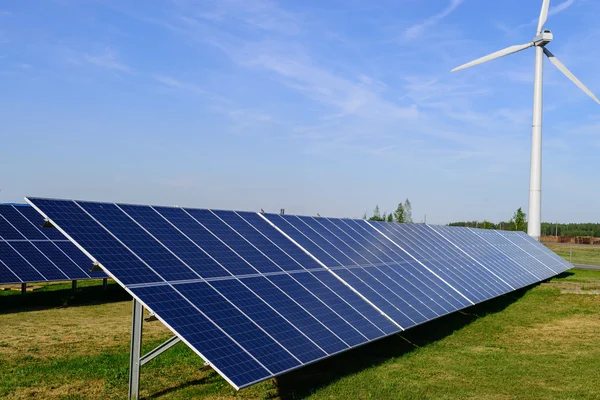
<point x="323" y="107"/>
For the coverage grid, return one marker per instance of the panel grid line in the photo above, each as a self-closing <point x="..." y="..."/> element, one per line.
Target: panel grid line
<point x="423" y="265"/>
<point x="172" y="287"/>
<point x="287" y="295"/>
<point x="232" y="277"/>
<point x="398" y="263"/>
<point x="374" y="277"/>
<point x="465" y="253"/>
<point x="309" y="272"/>
<point x="470" y="280"/>
<point x="295" y="280"/>
<point x="358" y="277"/>
<point x="211" y="286"/>
<point x="51" y="241"/>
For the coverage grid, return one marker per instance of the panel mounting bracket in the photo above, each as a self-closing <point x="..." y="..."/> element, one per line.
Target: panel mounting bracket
<point x="151" y="318"/>
<point x="136" y="359"/>
<point x="96" y="267"/>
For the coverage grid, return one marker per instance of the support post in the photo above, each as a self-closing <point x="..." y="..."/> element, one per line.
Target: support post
<point x="104" y="283"/>
<point x="136" y="348"/>
<point x="535" y="174"/>
<point x="74" y="286"/>
<point x="571" y="255"/>
<point x="23" y="289"/>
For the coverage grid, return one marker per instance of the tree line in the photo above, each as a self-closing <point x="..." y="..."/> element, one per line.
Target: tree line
<point x="570" y="230"/>
<point x="519" y="223"/>
<point x="403" y="213"/>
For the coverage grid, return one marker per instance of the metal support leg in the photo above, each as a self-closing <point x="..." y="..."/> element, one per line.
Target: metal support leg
<point x="104" y="283"/>
<point x="136" y="348"/>
<point x="74" y="286"/>
<point x="23" y="289"/>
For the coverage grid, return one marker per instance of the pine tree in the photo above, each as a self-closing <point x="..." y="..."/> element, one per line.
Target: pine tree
<point x="376" y="215"/>
<point x="408" y="212"/>
<point x="399" y="215"/>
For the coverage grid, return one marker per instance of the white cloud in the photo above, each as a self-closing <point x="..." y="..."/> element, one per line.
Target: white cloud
<point x="177" y="84"/>
<point x="415" y="31"/>
<point x="263" y="15"/>
<point x="108" y="59"/>
<point x="560" y="7"/>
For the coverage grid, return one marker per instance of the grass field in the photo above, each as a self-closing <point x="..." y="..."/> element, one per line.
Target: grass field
<point x="582" y="254"/>
<point x="531" y="344"/>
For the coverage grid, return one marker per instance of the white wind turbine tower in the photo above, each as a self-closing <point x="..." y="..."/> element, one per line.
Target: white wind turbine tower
<point x="542" y="38"/>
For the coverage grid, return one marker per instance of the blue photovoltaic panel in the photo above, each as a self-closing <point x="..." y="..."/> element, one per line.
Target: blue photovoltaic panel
<point x="532" y="247"/>
<point x="482" y="251"/>
<point x="30" y="253"/>
<point x="258" y="295"/>
<point x="454" y="267"/>
<point x="380" y="271"/>
<point x="515" y="254"/>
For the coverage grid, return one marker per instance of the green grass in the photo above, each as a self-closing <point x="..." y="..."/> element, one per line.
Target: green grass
<point x="582" y="254"/>
<point x="530" y="344"/>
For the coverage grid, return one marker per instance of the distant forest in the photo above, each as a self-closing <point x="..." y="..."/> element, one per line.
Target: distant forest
<point x="518" y="222"/>
<point x="548" y="228"/>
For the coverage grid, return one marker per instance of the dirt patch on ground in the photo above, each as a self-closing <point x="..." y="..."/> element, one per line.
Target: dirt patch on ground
<point x="575" y="331"/>
<point x="72" y="389"/>
<point x="82" y="330"/>
<point x="575" y="287"/>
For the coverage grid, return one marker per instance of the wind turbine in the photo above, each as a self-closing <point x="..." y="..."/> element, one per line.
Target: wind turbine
<point x="542" y="38"/>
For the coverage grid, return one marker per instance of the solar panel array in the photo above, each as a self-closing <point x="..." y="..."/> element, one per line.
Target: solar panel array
<point x="259" y="295"/>
<point x="30" y="253"/>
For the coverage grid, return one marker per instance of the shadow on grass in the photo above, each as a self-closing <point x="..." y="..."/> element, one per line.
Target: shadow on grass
<point x="565" y="274"/>
<point x="303" y="382"/>
<point x="49" y="297"/>
<point x="170" y="390"/>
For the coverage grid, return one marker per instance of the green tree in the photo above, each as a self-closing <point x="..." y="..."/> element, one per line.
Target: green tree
<point x="408" y="212"/>
<point x="519" y="220"/>
<point x="376" y="215"/>
<point x="399" y="215"/>
<point x="390" y="217"/>
<point x="488" y="225"/>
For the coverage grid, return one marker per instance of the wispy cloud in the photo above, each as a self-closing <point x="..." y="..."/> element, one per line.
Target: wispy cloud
<point x="554" y="10"/>
<point x="177" y="84"/>
<point x="263" y="15"/>
<point x="108" y="59"/>
<point x="560" y="7"/>
<point x="415" y="31"/>
<point x="345" y="96"/>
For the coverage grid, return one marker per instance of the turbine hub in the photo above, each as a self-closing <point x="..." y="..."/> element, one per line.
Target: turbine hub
<point x="543" y="38"/>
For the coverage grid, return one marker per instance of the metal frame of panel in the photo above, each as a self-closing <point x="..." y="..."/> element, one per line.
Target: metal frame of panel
<point x="28" y="244"/>
<point x="377" y="253"/>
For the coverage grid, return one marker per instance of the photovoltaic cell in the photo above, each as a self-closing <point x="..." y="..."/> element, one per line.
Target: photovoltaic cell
<point x="259" y="295"/>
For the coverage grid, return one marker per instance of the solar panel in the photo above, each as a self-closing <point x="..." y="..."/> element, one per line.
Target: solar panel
<point x="259" y="295"/>
<point x="30" y="253"/>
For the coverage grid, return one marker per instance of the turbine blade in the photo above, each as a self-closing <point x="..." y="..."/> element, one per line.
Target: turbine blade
<point x="569" y="74"/>
<point x="543" y="16"/>
<point x="493" y="56"/>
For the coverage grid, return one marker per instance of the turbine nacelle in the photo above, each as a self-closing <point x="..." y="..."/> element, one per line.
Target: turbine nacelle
<point x="543" y="38"/>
